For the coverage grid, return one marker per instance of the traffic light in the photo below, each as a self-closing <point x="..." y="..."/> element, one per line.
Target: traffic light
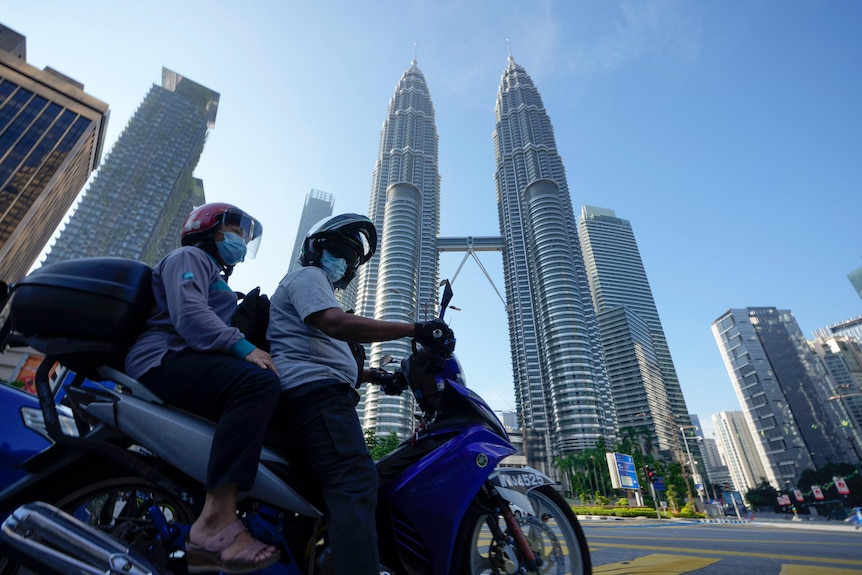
<point x="650" y="473"/>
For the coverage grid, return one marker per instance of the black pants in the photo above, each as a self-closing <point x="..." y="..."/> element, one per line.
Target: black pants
<point x="320" y="428"/>
<point x="239" y="396"/>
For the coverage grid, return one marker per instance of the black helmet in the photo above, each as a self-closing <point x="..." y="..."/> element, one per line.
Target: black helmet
<point x="350" y="236"/>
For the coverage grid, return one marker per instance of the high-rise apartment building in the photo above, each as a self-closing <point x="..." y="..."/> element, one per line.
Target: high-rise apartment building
<point x="715" y="468"/>
<point x="784" y="392"/>
<point x="318" y="205"/>
<point x="135" y="205"/>
<point x="619" y="284"/>
<point x="400" y="282"/>
<point x="739" y="450"/>
<point x="51" y="139"/>
<point x="561" y="387"/>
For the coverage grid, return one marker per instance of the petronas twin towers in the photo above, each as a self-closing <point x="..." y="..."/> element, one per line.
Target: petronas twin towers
<point x="561" y="388"/>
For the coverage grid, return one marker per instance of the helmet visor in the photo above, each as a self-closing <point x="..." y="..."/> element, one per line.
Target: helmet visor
<point x="346" y="251"/>
<point x="245" y="226"/>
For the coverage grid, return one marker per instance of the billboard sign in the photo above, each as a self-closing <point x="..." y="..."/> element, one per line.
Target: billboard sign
<point x="624" y="474"/>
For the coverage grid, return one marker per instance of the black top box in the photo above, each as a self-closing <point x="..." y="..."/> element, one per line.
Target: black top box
<point x="98" y="299"/>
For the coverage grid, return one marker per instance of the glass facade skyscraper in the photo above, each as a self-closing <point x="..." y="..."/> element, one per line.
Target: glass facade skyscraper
<point x="618" y="280"/>
<point x="51" y="138"/>
<point x="784" y="392"/>
<point x="144" y="189"/>
<point x="561" y="386"/>
<point x="400" y="281"/>
<point x="855" y="278"/>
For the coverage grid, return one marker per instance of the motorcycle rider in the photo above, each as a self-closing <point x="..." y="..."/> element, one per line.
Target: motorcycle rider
<point x="190" y="357"/>
<point x="316" y="416"/>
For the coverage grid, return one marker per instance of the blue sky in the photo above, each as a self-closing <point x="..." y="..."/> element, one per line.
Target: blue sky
<point x="727" y="132"/>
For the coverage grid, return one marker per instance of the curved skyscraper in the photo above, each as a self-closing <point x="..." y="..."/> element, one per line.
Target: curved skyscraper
<point x="561" y="387"/>
<point x="400" y="282"/>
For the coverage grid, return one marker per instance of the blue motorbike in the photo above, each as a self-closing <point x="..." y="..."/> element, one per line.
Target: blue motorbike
<point x="117" y="492"/>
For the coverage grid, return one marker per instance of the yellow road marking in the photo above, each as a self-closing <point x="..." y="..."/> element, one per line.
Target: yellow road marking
<point x="710" y="539"/>
<point x="732" y="553"/>
<point x="818" y="570"/>
<point x="666" y="564"/>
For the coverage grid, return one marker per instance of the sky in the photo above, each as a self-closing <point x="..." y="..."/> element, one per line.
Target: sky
<point x="728" y="132"/>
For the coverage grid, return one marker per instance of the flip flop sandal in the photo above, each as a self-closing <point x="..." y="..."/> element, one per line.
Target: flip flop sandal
<point x="207" y="557"/>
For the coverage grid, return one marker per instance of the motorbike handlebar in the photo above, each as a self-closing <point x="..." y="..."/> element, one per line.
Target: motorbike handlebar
<point x="392" y="383"/>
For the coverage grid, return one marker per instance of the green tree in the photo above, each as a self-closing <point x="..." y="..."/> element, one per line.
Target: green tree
<point x="764" y="495"/>
<point x="380" y="447"/>
<point x="673" y="497"/>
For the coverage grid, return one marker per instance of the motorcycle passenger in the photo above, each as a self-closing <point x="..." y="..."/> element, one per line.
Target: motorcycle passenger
<point x="316" y="418"/>
<point x="190" y="357"/>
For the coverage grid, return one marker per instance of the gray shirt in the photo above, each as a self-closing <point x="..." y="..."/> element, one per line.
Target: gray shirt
<point x="303" y="354"/>
<point x="192" y="309"/>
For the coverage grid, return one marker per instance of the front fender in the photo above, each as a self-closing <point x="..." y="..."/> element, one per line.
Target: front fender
<point x="513" y="484"/>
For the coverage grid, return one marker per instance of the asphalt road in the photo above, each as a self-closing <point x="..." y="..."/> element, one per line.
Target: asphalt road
<point x="675" y="548"/>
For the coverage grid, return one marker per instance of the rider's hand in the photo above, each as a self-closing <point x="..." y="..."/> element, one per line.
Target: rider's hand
<point x="261" y="359"/>
<point x="436" y="336"/>
<point x="396" y="384"/>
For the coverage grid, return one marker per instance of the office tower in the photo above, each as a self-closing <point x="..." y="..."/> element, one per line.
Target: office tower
<point x="561" y="387"/>
<point x="712" y="463"/>
<point x="842" y="357"/>
<point x="318" y="205"/>
<point x="51" y="138"/>
<point x="400" y="282"/>
<point x="855" y="278"/>
<point x="783" y="390"/>
<point x="618" y="281"/>
<point x="144" y="189"/>
<point x="739" y="450"/>
<point x="850" y="328"/>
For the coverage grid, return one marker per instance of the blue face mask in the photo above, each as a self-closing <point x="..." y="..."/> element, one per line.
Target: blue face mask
<point x="333" y="267"/>
<point x="232" y="249"/>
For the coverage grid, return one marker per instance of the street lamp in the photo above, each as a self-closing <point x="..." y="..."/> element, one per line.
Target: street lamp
<point x="682" y="429"/>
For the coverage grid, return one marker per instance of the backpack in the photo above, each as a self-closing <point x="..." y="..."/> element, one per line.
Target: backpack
<point x="252" y="318"/>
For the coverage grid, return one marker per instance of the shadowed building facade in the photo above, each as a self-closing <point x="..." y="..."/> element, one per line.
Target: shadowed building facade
<point x="141" y="194"/>
<point x="51" y="138"/>
<point x="784" y="391"/>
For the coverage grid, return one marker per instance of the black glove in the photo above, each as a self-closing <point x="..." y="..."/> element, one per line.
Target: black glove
<point x="390" y="383"/>
<point x="396" y="385"/>
<point x="434" y="334"/>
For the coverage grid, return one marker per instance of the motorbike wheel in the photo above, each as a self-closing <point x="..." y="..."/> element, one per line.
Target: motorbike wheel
<point x="118" y="506"/>
<point x="553" y="533"/>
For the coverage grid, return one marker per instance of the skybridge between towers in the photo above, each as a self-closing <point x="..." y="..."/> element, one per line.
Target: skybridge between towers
<point x="470" y="245"/>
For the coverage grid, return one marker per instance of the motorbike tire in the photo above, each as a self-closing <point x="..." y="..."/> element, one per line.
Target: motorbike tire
<point x="554" y="535"/>
<point x="115" y="507"/>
